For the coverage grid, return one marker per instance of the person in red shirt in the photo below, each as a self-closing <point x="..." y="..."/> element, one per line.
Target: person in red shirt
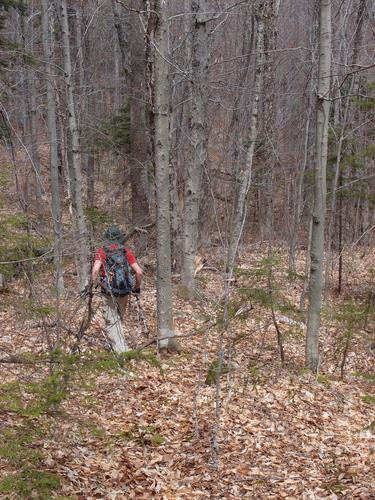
<point x="115" y="305"/>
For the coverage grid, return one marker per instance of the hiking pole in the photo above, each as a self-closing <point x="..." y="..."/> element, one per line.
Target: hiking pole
<point x="87" y="292"/>
<point x="141" y="313"/>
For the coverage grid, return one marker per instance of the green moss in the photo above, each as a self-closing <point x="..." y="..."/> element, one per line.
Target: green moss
<point x="16" y="445"/>
<point x="157" y="439"/>
<point x="31" y="484"/>
<point x="367" y="398"/>
<point x="368" y="377"/>
<point x="323" y="379"/>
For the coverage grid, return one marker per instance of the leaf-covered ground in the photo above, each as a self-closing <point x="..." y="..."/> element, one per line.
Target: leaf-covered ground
<point x="146" y="429"/>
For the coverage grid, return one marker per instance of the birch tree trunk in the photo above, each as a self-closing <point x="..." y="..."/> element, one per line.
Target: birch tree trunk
<point x="82" y="247"/>
<point x="161" y="141"/>
<point x="53" y="145"/>
<point x="193" y="184"/>
<point x="319" y="209"/>
<point x="244" y="175"/>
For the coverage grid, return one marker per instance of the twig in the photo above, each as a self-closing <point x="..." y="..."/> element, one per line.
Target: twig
<point x="184" y="335"/>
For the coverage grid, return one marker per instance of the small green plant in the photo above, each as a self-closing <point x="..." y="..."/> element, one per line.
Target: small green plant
<point x="350" y="316"/>
<point x="157" y="439"/>
<point x="214" y="372"/>
<point x="5" y="174"/>
<point x="149" y="435"/>
<point x="17" y="245"/>
<point x="262" y="289"/>
<point x="20" y="448"/>
<point x="115" y="132"/>
<point x="368" y="377"/>
<point x="97" y="218"/>
<point x="367" y="398"/>
<point x="322" y="378"/>
<point x="36" y="310"/>
<point x="33" y="402"/>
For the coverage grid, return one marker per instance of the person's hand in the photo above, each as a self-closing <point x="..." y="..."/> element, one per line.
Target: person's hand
<point x="86" y="292"/>
<point x="136" y="291"/>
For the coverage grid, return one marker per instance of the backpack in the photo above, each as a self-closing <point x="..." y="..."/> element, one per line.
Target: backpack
<point x="118" y="280"/>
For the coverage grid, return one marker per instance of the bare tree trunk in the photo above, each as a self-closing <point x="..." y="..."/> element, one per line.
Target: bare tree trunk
<point x="82" y="247"/>
<point x="31" y="135"/>
<point x="319" y="209"/>
<point x="193" y="184"/>
<point x="139" y="158"/>
<point x="161" y="141"/>
<point x="269" y="119"/>
<point x="133" y="57"/>
<point x="244" y="175"/>
<point x="52" y="136"/>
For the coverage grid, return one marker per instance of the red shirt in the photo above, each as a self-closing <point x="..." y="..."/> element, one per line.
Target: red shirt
<point x="101" y="255"/>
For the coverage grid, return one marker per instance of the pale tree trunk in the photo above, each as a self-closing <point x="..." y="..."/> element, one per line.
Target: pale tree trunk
<point x="245" y="173"/>
<point x="161" y="141"/>
<point x="52" y="137"/>
<point x="180" y="122"/>
<point x="31" y="135"/>
<point x="319" y="209"/>
<point x="197" y="165"/>
<point x="82" y="247"/>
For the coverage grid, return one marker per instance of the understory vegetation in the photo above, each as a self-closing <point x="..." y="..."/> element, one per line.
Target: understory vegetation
<point x="65" y="414"/>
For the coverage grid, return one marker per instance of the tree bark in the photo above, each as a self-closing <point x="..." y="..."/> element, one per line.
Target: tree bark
<point x="31" y="135"/>
<point x="53" y="144"/>
<point x="198" y="163"/>
<point x="319" y="208"/>
<point x="82" y="247"/>
<point x="133" y="60"/>
<point x="269" y="119"/>
<point x="161" y="140"/>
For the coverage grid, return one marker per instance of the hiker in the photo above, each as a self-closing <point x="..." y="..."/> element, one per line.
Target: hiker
<point x="116" y="265"/>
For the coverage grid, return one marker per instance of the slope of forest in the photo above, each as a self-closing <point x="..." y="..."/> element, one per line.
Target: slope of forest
<point x="232" y="143"/>
<point x="107" y="427"/>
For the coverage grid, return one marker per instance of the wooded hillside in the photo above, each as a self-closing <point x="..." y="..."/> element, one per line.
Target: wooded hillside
<point x="230" y="147"/>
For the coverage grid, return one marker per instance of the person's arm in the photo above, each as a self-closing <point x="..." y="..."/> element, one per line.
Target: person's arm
<point x="95" y="270"/>
<point x="138" y="275"/>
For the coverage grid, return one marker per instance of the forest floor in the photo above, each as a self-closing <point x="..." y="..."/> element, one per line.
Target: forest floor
<point x="92" y="426"/>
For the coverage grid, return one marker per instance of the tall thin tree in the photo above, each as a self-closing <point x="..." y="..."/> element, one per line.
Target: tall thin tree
<point x="82" y="247"/>
<point x="193" y="182"/>
<point x="320" y="187"/>
<point x="161" y="142"/>
<point x="52" y="138"/>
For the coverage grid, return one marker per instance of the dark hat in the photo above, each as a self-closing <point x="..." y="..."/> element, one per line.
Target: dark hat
<point x="114" y="235"/>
